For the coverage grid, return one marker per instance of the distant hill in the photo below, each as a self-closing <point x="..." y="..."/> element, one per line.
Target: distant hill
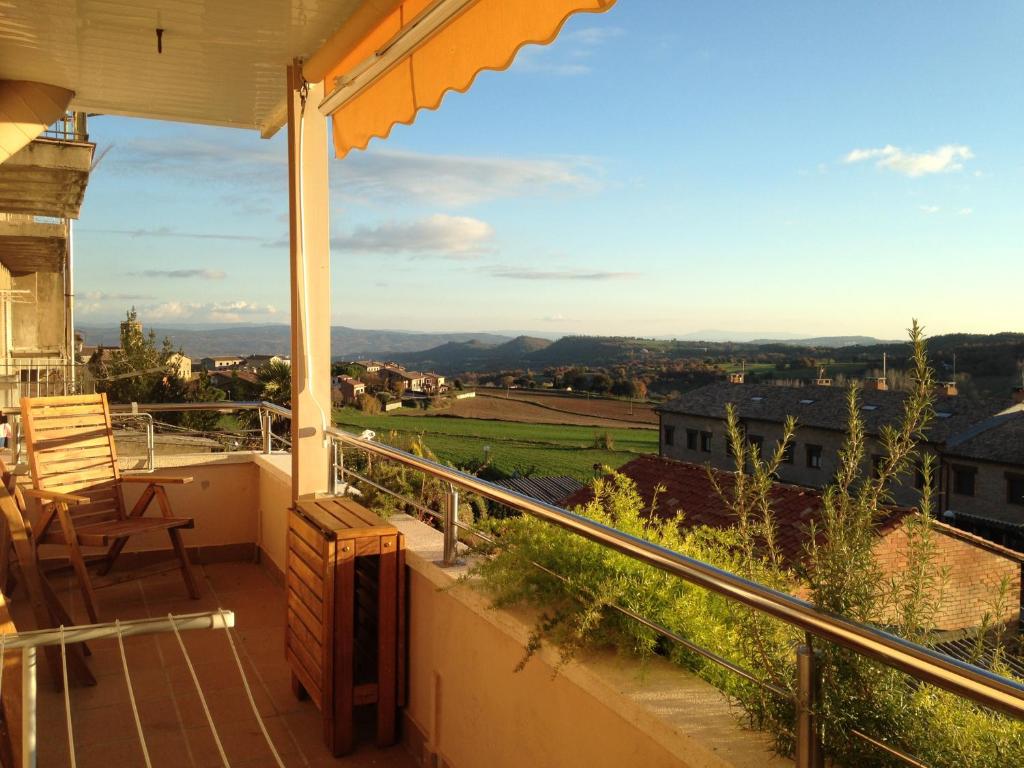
<point x="476" y="355"/>
<point x="346" y="343"/>
<point x="834" y="342"/>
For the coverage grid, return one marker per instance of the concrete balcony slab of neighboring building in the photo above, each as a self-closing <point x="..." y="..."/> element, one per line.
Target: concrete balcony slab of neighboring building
<point x="46" y="178"/>
<point x="28" y="245"/>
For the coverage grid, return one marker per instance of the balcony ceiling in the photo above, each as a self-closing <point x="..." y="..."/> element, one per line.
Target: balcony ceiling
<point x="223" y="61"/>
<point x="46" y="178"/>
<point x="32" y="246"/>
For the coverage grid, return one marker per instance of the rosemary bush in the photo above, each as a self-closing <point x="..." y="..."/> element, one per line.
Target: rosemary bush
<point x="584" y="592"/>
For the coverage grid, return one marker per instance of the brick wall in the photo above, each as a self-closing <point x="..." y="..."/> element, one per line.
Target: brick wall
<point x="973" y="581"/>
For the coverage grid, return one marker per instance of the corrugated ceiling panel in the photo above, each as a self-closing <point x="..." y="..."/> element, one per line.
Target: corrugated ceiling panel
<point x="223" y="61"/>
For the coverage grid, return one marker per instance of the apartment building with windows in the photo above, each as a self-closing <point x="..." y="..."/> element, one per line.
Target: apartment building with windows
<point x="978" y="446"/>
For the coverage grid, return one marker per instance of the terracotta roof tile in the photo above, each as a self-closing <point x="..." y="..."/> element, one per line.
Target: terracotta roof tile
<point x="687" y="488"/>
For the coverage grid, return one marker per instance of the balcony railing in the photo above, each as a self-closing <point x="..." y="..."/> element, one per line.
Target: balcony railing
<point x="975" y="684"/>
<point x="42" y="377"/>
<point x="70" y="127"/>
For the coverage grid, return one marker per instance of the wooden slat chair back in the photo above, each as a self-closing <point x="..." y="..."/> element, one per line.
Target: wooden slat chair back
<point x="72" y="451"/>
<point x="73" y="462"/>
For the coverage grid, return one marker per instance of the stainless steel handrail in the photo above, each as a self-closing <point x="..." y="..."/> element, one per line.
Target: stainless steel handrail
<point x="971" y="682"/>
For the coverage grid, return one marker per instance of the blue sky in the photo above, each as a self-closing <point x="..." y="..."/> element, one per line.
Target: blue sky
<point x="660" y="169"/>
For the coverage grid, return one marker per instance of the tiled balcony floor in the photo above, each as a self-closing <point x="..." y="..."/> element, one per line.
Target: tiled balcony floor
<point x="176" y="729"/>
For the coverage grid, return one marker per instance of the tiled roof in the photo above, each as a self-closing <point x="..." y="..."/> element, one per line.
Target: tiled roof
<point x="234" y="375"/>
<point x="549" y="489"/>
<point x="999" y="439"/>
<point x="687" y="488"/>
<point x="826" y="407"/>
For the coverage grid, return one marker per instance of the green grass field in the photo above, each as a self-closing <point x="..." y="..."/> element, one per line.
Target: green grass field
<point x="515" y="447"/>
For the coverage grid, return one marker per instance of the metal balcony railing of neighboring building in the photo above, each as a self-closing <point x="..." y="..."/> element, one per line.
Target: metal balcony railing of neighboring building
<point x="72" y="126"/>
<point x="42" y="377"/>
<point x="975" y="684"/>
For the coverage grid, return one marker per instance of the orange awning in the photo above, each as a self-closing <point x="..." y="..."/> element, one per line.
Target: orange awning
<point x="425" y="48"/>
<point x="26" y="109"/>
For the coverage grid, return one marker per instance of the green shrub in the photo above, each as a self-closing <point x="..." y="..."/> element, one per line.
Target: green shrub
<point x="580" y="606"/>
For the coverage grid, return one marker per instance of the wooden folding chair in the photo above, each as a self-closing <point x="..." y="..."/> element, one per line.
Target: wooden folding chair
<point x="47" y="609"/>
<point x="77" y="482"/>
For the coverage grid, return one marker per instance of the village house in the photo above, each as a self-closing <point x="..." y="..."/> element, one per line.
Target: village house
<point x="434" y="384"/>
<point x="975" y="477"/>
<point x="255" y="362"/>
<point x="348" y="389"/>
<point x="237" y="383"/>
<point x="370" y="366"/>
<point x="393" y="373"/>
<point x="220" y="361"/>
<point x="182" y="365"/>
<point x="975" y="566"/>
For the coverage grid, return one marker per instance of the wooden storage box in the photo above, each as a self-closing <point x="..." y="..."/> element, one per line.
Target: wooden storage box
<point x="345" y="639"/>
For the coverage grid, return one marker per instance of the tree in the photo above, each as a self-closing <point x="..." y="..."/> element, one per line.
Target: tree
<point x="368" y="404"/>
<point x="275" y="379"/>
<point x="140" y="371"/>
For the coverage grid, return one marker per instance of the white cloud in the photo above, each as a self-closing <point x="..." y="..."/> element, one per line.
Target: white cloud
<point x="944" y="159"/>
<point x="519" y="273"/>
<point x="555" y="318"/>
<point x="440" y="235"/>
<point x="97" y="296"/>
<point x="965" y="212"/>
<point x="182" y="274"/>
<point x="929" y="209"/>
<point x="456" y="180"/>
<point x="216" y="312"/>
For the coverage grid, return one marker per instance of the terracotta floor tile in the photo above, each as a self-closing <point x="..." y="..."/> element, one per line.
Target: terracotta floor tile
<point x="173" y="718"/>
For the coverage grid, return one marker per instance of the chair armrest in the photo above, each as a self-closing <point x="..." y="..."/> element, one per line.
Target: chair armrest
<point x="155" y="479"/>
<point x="66" y="498"/>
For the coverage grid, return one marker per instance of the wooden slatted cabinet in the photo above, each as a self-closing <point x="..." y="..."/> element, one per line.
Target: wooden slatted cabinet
<point x="345" y="639"/>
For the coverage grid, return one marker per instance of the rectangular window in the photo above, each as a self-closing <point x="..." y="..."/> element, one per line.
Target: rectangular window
<point x="670" y="435"/>
<point x="814" y="456"/>
<point x="963" y="480"/>
<point x="1014" y="488"/>
<point x="691" y="439"/>
<point x="705" y="442"/>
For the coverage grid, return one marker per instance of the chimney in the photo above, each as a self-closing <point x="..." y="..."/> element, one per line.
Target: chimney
<point x="876" y="385"/>
<point x="1018" y="396"/>
<point x="946" y="389"/>
<point x="736" y="378"/>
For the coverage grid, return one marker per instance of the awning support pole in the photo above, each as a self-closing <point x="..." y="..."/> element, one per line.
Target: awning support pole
<point x="309" y="209"/>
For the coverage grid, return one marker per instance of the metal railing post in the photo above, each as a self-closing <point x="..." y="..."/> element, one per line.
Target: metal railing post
<point x="150" y="442"/>
<point x="451" y="527"/>
<point x="28" y="707"/>
<point x="809" y="753"/>
<point x="265" y="431"/>
<point x="332" y="478"/>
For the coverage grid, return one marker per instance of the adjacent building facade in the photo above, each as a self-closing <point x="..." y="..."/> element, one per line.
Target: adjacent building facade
<point x="42" y="187"/>
<point x="979" y="468"/>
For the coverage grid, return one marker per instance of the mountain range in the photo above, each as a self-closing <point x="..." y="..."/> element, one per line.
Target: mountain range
<point x="346" y="343"/>
<point x="461" y="351"/>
